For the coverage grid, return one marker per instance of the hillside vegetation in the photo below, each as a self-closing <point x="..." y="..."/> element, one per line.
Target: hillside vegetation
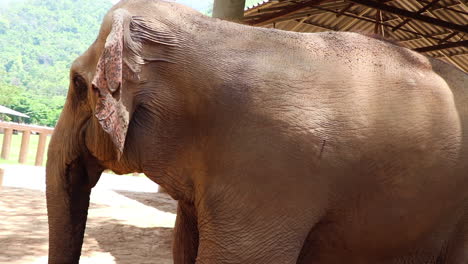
<point x="39" y="39"/>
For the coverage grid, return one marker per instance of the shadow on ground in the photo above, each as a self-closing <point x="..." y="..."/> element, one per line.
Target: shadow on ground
<point x="23" y="224"/>
<point x="129" y="244"/>
<point x="117" y="232"/>
<point x="161" y="201"/>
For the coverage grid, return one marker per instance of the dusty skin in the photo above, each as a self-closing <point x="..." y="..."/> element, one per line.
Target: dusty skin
<point x="279" y="147"/>
<point x="118" y="224"/>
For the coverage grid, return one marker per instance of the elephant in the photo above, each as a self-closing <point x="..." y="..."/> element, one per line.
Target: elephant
<point x="280" y="147"/>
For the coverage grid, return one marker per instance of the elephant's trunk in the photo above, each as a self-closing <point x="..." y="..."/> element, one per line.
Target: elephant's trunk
<point x="70" y="174"/>
<point x="67" y="208"/>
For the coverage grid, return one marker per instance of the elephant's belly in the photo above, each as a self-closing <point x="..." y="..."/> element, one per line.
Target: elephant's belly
<point x="326" y="246"/>
<point x="403" y="213"/>
<point x="383" y="229"/>
<point x="385" y="243"/>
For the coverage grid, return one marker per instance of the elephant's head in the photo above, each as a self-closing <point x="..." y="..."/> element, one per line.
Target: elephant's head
<point x="123" y="102"/>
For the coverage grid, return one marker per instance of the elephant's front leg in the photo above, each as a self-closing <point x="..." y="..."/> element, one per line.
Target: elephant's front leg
<point x="243" y="236"/>
<point x="185" y="235"/>
<point x="246" y="245"/>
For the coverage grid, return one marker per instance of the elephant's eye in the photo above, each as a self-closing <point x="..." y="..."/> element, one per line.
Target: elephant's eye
<point x="80" y="86"/>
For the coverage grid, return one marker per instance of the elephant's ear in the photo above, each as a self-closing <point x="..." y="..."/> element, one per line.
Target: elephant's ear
<point x="112" y="111"/>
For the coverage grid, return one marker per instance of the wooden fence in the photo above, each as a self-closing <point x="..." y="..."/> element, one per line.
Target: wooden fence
<point x="26" y="130"/>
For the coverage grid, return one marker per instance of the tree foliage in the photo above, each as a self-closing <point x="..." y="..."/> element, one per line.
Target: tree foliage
<point x="39" y="40"/>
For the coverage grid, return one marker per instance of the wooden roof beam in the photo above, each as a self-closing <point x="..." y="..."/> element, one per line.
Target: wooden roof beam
<point x="449" y="36"/>
<point x="449" y="45"/>
<point x="360" y="14"/>
<point x="441" y="51"/>
<point x="451" y="54"/>
<point x="452" y="34"/>
<point x="288" y="11"/>
<point x="420" y="11"/>
<point x="353" y="22"/>
<point x="463" y="5"/>
<point x="414" y="31"/>
<point x="446" y="7"/>
<point x="250" y="19"/>
<point x="412" y="15"/>
<point x="256" y="9"/>
<point x="344" y="9"/>
<point x="429" y="35"/>
<point x="309" y="22"/>
<point x="299" y="23"/>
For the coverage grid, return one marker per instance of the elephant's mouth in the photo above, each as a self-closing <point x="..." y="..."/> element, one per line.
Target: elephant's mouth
<point x="76" y="175"/>
<point x="84" y="171"/>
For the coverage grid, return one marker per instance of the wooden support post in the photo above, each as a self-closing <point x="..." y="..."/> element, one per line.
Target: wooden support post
<point x="232" y="10"/>
<point x="40" y="149"/>
<point x="24" y="147"/>
<point x="6" y="143"/>
<point x="379" y="28"/>
<point x="377" y="18"/>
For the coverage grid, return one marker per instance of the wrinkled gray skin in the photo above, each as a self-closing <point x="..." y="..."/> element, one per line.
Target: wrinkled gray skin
<point x="280" y="147"/>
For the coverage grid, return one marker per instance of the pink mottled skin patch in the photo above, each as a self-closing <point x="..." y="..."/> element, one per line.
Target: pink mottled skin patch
<point x="108" y="79"/>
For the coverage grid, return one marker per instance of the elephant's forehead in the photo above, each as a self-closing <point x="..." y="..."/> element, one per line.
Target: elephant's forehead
<point x="106" y="26"/>
<point x="85" y="65"/>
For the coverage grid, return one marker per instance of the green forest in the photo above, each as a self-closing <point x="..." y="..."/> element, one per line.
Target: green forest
<point x="39" y="39"/>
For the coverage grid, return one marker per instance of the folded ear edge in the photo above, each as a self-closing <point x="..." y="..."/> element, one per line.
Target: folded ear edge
<point x="112" y="114"/>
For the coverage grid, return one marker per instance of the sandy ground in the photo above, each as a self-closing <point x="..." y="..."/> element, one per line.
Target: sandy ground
<point x="128" y="222"/>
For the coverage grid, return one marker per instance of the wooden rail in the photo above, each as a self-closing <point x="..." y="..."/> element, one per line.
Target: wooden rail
<point x="43" y="132"/>
<point x="26" y="130"/>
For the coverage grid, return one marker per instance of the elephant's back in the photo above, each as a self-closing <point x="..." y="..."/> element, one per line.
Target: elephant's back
<point x="361" y="95"/>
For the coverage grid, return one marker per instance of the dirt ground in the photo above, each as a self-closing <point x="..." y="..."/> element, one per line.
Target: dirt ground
<point x="124" y="226"/>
